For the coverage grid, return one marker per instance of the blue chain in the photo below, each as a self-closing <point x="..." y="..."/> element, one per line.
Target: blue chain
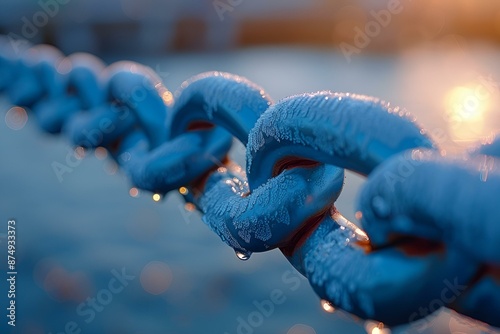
<point x="431" y="221"/>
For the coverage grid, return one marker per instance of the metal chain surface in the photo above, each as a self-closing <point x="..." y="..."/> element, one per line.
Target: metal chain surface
<point x="431" y="221"/>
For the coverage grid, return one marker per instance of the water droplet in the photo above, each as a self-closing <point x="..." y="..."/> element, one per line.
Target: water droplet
<point x="327" y="306"/>
<point x="156" y="197"/>
<point x="242" y="255"/>
<point x="183" y="191"/>
<point x="167" y="98"/>
<point x="380" y="207"/>
<point x="373" y="327"/>
<point x="190" y="207"/>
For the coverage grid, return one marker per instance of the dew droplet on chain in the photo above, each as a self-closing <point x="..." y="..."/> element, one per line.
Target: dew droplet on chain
<point x="156" y="197"/>
<point x="190" y="207"/>
<point x="183" y="191"/>
<point x="374" y="327"/>
<point x="327" y="306"/>
<point x="242" y="255"/>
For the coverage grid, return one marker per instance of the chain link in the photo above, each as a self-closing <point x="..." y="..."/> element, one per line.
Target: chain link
<point x="431" y="221"/>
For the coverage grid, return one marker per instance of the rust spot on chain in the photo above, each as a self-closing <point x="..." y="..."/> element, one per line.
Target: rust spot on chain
<point x="292" y="162"/>
<point x="114" y="146"/>
<point x="493" y="271"/>
<point x="302" y="233"/>
<point x="365" y="245"/>
<point x="198" y="185"/>
<point x="200" y="125"/>
<point x="415" y="246"/>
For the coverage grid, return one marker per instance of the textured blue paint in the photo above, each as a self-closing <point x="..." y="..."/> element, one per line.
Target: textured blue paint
<point x="448" y="200"/>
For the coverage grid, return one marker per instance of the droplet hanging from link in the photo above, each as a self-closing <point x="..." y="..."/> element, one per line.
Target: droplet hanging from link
<point x="374" y="327"/>
<point x="242" y="255"/>
<point x="327" y="306"/>
<point x="156" y="197"/>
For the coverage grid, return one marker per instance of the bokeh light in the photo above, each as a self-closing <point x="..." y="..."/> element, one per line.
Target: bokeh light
<point x="101" y="153"/>
<point x="327" y="306"/>
<point x="16" y="118"/>
<point x="467" y="109"/>
<point x="156" y="277"/>
<point x="301" y="329"/>
<point x="133" y="192"/>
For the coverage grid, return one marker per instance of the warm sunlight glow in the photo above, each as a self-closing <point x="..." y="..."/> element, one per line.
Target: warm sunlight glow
<point x="466" y="109"/>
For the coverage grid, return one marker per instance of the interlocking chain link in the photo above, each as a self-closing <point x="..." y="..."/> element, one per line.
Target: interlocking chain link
<point x="431" y="221"/>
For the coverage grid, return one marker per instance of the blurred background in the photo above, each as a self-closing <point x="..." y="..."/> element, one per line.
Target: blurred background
<point x="436" y="58"/>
